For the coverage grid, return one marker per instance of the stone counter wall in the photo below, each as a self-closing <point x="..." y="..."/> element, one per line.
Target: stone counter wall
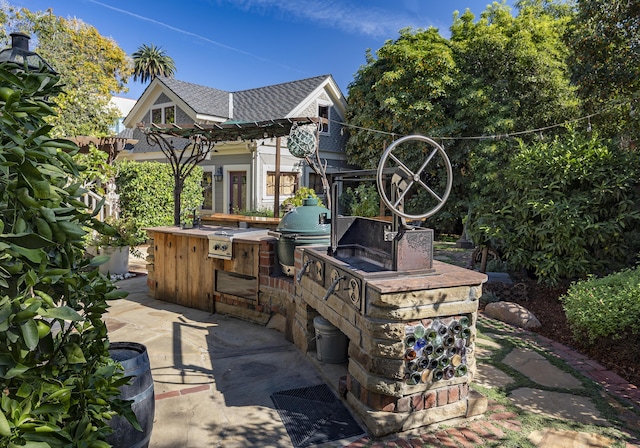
<point x="379" y="384"/>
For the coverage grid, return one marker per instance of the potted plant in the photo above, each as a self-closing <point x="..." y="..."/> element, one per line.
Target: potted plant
<point x="117" y="239"/>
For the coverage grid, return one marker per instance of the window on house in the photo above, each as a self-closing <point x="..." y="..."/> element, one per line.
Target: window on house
<point x="163" y="115"/>
<point x="170" y="114"/>
<point x="315" y="182"/>
<point x="156" y="116"/>
<point x="288" y="183"/>
<point x="323" y="112"/>
<point x="207" y="190"/>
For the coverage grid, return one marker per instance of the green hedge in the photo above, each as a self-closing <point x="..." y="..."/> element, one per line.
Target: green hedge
<point x="564" y="208"/>
<point x="146" y="192"/>
<point x="363" y="200"/>
<point x="604" y="307"/>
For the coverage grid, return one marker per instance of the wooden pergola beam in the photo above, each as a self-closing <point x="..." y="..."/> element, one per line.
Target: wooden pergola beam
<point x="230" y="131"/>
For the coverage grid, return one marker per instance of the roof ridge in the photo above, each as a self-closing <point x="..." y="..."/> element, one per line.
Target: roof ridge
<point x="164" y="79"/>
<point x="285" y="83"/>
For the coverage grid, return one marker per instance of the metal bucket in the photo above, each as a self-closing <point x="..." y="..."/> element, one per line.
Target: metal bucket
<point x="331" y="344"/>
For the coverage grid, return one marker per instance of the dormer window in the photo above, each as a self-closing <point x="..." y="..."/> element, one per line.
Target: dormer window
<point x="163" y="114"/>
<point x="323" y="112"/>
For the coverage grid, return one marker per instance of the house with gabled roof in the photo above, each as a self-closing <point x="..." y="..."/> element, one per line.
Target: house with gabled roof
<point x="240" y="175"/>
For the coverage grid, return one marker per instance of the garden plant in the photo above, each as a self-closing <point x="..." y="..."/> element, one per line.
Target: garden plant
<point x="58" y="385"/>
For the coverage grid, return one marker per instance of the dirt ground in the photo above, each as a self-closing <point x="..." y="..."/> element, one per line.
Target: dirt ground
<point x="543" y="301"/>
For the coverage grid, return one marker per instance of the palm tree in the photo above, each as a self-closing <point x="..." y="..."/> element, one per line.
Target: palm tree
<point x="151" y="61"/>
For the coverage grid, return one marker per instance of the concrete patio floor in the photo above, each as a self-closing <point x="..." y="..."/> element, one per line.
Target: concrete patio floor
<point x="214" y="376"/>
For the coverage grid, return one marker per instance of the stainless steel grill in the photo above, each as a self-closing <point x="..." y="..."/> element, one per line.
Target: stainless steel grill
<point x="221" y="240"/>
<point x="364" y="248"/>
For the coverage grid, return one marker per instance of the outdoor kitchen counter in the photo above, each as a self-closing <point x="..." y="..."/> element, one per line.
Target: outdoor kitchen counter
<point x="252" y="234"/>
<point x="445" y="275"/>
<point x="263" y="222"/>
<point x="200" y="267"/>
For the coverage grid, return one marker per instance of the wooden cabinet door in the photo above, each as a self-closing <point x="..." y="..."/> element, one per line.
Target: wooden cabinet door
<point x="245" y="259"/>
<point x="183" y="271"/>
<point x="200" y="275"/>
<point x="165" y="266"/>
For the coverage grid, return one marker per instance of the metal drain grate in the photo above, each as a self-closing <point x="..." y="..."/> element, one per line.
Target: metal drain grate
<point x="313" y="415"/>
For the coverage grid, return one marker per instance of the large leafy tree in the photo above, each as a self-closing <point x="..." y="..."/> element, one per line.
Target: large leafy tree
<point x="92" y="68"/>
<point x="150" y="61"/>
<point x="401" y="90"/>
<point x="513" y="77"/>
<point x="499" y="74"/>
<point x="513" y="74"/>
<point x="605" y="38"/>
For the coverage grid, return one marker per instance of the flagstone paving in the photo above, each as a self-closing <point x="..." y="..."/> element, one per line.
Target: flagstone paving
<point x="567" y="439"/>
<point x="557" y="405"/>
<point x="538" y="369"/>
<point x="553" y="396"/>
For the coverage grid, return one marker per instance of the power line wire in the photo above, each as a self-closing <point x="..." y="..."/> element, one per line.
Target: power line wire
<point x="493" y="136"/>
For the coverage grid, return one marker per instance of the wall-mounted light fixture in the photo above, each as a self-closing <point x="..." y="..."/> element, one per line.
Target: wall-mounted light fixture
<point x="218" y="174"/>
<point x="19" y="53"/>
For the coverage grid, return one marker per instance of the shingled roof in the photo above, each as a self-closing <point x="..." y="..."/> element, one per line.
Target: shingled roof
<point x="259" y="104"/>
<point x="203" y="100"/>
<point x="276" y="101"/>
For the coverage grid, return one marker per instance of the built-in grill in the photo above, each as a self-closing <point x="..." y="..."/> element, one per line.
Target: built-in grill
<point x="379" y="285"/>
<point x="362" y="254"/>
<point x="221" y="240"/>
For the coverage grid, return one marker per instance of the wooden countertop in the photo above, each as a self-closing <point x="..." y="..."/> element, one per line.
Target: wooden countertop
<point x="248" y="234"/>
<point x="240" y="220"/>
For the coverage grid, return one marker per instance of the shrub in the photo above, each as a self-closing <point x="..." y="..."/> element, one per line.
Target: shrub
<point x="146" y="192"/>
<point x="58" y="384"/>
<point x="95" y="172"/>
<point x="296" y="200"/>
<point x="604" y="307"/>
<point x="563" y="208"/>
<point x="262" y="212"/>
<point x="363" y="200"/>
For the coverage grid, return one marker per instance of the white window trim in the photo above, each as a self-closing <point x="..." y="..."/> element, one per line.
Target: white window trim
<point x="162" y="107"/>
<point x="212" y="169"/>
<point x="226" y="169"/>
<point x="283" y="169"/>
<point x="328" y="105"/>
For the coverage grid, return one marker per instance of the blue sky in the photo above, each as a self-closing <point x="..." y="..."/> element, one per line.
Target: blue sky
<point x="241" y="44"/>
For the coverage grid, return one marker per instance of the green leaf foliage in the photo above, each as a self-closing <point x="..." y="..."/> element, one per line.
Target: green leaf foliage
<point x="563" y="208"/>
<point x="605" y="307"/>
<point x="58" y="385"/>
<point x="92" y="68"/>
<point x="498" y="74"/>
<point x="301" y="194"/>
<point x="146" y="192"/>
<point x="362" y="200"/>
<point x="605" y="62"/>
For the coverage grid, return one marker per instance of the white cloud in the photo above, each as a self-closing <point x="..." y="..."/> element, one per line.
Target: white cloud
<point x="188" y="33"/>
<point x="344" y="15"/>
